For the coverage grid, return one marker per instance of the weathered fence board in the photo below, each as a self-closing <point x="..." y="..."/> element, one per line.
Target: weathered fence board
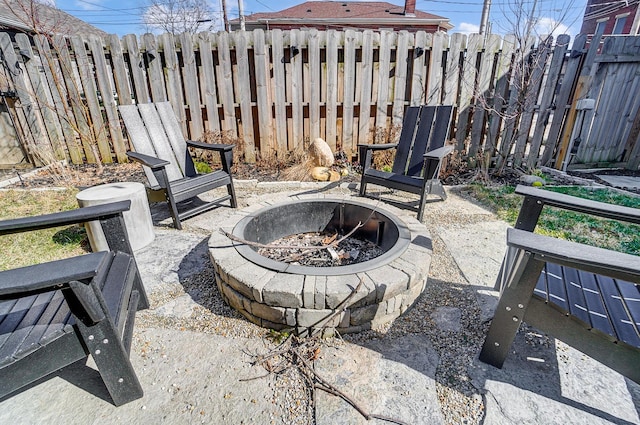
<point x="275" y="90"/>
<point x="616" y="80"/>
<point x="208" y="83"/>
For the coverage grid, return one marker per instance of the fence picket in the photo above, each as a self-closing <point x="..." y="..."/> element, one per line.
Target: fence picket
<point x="313" y="82"/>
<point x="151" y="59"/>
<point x="191" y="86"/>
<point x="174" y="81"/>
<point x="225" y="84"/>
<point x="297" y="90"/>
<point x="467" y="88"/>
<point x="208" y="88"/>
<point x="405" y="39"/>
<point x="263" y="98"/>
<point x="136" y="67"/>
<point x="244" y="93"/>
<point x="384" y="64"/>
<point x="434" y="89"/>
<point x="457" y="45"/>
<point x="419" y="78"/>
<point x="365" y="89"/>
<point x="349" y="142"/>
<point x="279" y="93"/>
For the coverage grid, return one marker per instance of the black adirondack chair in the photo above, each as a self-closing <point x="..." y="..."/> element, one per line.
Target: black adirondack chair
<point x="161" y="148"/>
<point x="56" y="313"/>
<point x="585" y="296"/>
<point x="419" y="155"/>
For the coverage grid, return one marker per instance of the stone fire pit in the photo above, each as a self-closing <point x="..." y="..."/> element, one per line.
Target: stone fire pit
<point x="280" y="296"/>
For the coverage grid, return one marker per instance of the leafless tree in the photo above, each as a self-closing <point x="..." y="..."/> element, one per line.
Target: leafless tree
<point x="44" y="25"/>
<point x="179" y="16"/>
<point x="532" y="29"/>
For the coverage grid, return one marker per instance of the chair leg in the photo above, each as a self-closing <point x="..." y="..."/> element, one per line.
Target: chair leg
<point x="436" y="188"/>
<point x="521" y="281"/>
<point x="232" y="192"/>
<point x="173" y="210"/>
<point x="112" y="360"/>
<point x="363" y="187"/>
<point x="421" y="207"/>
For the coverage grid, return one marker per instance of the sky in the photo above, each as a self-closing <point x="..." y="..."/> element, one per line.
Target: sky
<point x="125" y="16"/>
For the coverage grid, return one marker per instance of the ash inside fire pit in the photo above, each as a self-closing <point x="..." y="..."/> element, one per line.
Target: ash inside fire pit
<point x="304" y="249"/>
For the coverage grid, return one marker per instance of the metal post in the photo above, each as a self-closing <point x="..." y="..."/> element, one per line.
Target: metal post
<point x="241" y="13"/>
<point x="485" y="16"/>
<point x="225" y="17"/>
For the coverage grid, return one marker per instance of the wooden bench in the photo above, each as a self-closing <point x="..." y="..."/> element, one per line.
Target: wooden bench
<point x="587" y="297"/>
<point x="56" y="313"/>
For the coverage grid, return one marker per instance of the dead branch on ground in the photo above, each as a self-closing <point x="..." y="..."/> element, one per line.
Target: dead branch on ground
<point x="300" y="353"/>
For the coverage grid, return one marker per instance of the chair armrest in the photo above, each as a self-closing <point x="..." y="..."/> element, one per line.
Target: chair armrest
<point x="45" y="277"/>
<point x="440" y="152"/>
<point x="148" y="160"/>
<point x="220" y="147"/>
<point x="378" y="147"/>
<point x="573" y="203"/>
<point x="584" y="257"/>
<point x="80" y="215"/>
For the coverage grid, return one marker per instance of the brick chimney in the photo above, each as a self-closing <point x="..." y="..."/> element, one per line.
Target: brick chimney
<point x="410" y="7"/>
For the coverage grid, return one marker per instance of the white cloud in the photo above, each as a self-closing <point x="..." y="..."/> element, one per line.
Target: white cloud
<point x="467" y="28"/>
<point x="546" y="26"/>
<point x="89" y="6"/>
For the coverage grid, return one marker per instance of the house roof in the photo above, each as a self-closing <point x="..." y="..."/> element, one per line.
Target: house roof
<point x="30" y="16"/>
<point x="356" y="11"/>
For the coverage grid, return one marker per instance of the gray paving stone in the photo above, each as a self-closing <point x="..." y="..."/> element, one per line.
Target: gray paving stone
<point x="363" y="370"/>
<point x="284" y="290"/>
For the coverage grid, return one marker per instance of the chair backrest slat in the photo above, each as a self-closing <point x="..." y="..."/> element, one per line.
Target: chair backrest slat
<point x="174" y="133"/>
<point x="440" y="129"/>
<point x="149" y="136"/>
<point x="406" y="138"/>
<point x="160" y="139"/>
<point x="423" y="132"/>
<point x="138" y="136"/>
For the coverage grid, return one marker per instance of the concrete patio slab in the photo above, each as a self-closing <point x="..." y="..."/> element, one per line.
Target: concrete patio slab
<point x="621" y="182"/>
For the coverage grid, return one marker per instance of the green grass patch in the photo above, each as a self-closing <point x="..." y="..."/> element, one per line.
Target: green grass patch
<point x="569" y="225"/>
<point x="40" y="246"/>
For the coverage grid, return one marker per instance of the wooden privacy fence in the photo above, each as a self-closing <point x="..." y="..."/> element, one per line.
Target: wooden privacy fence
<point x="275" y="90"/>
<point x="609" y="133"/>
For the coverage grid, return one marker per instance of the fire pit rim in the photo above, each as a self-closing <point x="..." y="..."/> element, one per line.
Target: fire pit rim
<point x="402" y="243"/>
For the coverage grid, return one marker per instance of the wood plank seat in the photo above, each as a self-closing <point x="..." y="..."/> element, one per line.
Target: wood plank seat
<point x="587" y="297"/>
<point x="610" y="306"/>
<point x="161" y="148"/>
<point x="419" y="155"/>
<point x="56" y="313"/>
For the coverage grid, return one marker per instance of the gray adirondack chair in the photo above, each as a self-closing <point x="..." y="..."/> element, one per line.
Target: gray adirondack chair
<point x="56" y="313"/>
<point x="161" y="148"/>
<point x="585" y="296"/>
<point x="419" y="155"/>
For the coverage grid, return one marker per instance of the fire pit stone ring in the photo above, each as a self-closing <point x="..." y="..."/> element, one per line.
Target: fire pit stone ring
<point x="309" y="300"/>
